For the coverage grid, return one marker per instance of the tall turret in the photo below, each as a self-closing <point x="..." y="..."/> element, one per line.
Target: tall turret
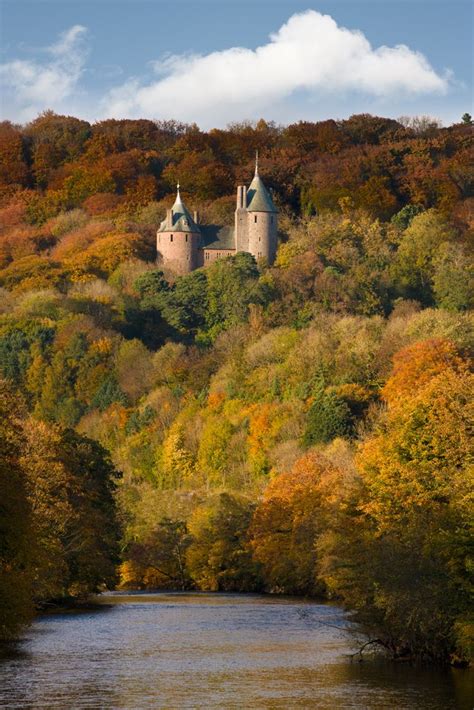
<point x="178" y="238"/>
<point x="256" y="220"/>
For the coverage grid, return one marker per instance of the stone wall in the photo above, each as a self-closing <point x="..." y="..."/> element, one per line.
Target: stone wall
<point x="240" y="231"/>
<point x="262" y="235"/>
<point x="209" y="256"/>
<point x="178" y="250"/>
<point x="241" y="234"/>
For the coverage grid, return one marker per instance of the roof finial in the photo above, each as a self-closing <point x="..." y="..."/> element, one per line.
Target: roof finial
<point x="177" y="188"/>
<point x="256" y="163"/>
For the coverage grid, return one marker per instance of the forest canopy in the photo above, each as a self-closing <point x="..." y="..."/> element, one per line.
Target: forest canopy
<point x="284" y="428"/>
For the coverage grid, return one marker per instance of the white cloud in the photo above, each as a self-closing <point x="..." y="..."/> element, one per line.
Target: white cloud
<point x="309" y="62"/>
<point x="29" y="87"/>
<point x="309" y="54"/>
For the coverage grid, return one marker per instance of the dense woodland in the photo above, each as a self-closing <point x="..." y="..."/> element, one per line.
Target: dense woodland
<point x="301" y="428"/>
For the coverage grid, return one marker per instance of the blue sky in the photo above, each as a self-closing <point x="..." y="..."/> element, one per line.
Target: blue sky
<point x="217" y="61"/>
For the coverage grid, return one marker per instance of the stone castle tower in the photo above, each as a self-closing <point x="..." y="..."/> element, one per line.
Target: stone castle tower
<point x="178" y="239"/>
<point x="183" y="244"/>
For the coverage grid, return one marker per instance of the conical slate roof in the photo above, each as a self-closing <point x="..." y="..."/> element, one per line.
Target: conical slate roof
<point x="182" y="220"/>
<point x="258" y="197"/>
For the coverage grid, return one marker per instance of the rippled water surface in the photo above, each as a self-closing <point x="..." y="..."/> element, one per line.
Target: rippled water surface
<point x="211" y="651"/>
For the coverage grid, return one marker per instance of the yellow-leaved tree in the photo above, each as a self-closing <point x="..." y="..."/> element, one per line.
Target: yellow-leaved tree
<point x="402" y="557"/>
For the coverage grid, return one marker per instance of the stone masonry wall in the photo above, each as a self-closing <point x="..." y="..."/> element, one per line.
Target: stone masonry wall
<point x="209" y="256"/>
<point x="262" y="235"/>
<point x="178" y="250"/>
<point x="241" y="234"/>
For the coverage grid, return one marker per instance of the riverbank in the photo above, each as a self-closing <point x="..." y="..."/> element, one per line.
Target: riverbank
<point x="70" y="606"/>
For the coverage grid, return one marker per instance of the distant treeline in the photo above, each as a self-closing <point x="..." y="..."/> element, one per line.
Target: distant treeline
<point x="61" y="162"/>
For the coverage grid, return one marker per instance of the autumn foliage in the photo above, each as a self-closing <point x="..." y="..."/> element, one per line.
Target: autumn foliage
<point x="301" y="428"/>
<point x="288" y="521"/>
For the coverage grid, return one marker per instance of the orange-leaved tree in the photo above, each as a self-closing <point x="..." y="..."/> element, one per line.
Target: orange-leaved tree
<point x="288" y="521"/>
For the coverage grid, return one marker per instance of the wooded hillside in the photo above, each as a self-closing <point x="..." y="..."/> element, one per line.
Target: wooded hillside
<point x="301" y="428"/>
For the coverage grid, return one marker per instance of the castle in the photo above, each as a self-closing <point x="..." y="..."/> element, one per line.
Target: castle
<point x="183" y="244"/>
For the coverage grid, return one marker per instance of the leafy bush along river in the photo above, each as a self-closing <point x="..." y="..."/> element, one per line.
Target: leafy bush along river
<point x="301" y="428"/>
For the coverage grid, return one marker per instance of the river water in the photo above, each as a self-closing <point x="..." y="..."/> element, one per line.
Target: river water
<point x="211" y="651"/>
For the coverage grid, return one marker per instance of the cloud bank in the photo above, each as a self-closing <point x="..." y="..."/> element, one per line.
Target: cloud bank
<point x="29" y="87"/>
<point x="309" y="56"/>
<point x="310" y="53"/>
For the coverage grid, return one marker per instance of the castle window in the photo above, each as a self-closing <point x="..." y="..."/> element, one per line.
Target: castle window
<point x="186" y="237"/>
<point x="255" y="218"/>
<point x="271" y="219"/>
<point x="171" y="238"/>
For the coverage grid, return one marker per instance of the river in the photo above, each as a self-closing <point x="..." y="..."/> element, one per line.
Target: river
<point x="211" y="651"/>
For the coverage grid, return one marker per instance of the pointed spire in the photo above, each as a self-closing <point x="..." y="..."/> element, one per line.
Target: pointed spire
<point x="178" y="200"/>
<point x="258" y="199"/>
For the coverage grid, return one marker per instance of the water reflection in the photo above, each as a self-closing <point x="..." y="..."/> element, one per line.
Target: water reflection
<point x="213" y="651"/>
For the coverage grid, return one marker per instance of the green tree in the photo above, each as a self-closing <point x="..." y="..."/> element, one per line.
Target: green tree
<point x="16" y="339"/>
<point x="150" y="286"/>
<point x="232" y="284"/>
<point x="404" y="217"/>
<point x="58" y="401"/>
<point x="328" y="417"/>
<point x="107" y="393"/>
<point x="414" y="265"/>
<point x="184" y="306"/>
<point x="453" y="278"/>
